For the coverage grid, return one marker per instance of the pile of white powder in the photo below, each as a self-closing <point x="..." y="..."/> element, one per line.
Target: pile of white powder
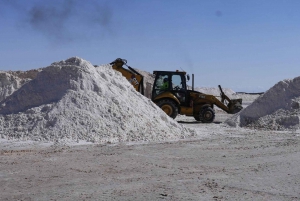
<point x="214" y="91"/>
<point x="72" y="100"/>
<point x="11" y="81"/>
<point x="8" y="84"/>
<point x="277" y="109"/>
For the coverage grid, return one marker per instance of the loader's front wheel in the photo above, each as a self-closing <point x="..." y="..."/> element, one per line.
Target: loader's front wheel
<point x="207" y="115"/>
<point x="169" y="107"/>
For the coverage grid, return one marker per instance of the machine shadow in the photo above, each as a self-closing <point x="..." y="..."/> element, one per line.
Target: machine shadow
<point x="198" y="122"/>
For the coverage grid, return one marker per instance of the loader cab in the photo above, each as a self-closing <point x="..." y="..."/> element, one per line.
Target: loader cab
<point x="167" y="82"/>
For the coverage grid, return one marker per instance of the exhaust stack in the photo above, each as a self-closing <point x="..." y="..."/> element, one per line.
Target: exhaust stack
<point x="193" y="82"/>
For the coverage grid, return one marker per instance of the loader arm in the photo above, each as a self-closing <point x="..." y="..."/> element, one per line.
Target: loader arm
<point x="233" y="106"/>
<point x="130" y="74"/>
<point x="215" y="101"/>
<point x="223" y="96"/>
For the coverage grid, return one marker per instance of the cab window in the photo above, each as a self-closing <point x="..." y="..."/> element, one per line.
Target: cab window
<point x="176" y="82"/>
<point x="161" y="84"/>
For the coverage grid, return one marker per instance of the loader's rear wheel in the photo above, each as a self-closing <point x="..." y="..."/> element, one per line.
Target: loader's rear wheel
<point x="207" y="115"/>
<point x="169" y="107"/>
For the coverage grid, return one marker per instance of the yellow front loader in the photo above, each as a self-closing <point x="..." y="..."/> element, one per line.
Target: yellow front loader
<point x="177" y="99"/>
<point x="171" y="94"/>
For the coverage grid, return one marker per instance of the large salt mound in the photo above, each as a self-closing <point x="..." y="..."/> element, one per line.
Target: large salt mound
<point x="12" y="80"/>
<point x="8" y="84"/>
<point x="277" y="109"/>
<point x="72" y="100"/>
<point x="214" y="91"/>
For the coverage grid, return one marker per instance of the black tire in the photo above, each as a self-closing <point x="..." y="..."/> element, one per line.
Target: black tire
<point x="169" y="107"/>
<point x="207" y="115"/>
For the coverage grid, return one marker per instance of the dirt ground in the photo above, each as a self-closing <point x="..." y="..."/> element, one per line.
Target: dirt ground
<point x="222" y="164"/>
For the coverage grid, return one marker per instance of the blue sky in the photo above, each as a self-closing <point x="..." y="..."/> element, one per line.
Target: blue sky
<point x="245" y="45"/>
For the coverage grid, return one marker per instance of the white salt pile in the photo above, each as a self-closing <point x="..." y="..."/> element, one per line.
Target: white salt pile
<point x="72" y="100"/>
<point x="148" y="82"/>
<point x="8" y="84"/>
<point x="277" y="109"/>
<point x="214" y="91"/>
<point x="12" y="80"/>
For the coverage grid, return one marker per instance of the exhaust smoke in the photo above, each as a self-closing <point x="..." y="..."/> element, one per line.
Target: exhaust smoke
<point x="51" y="20"/>
<point x="64" y="20"/>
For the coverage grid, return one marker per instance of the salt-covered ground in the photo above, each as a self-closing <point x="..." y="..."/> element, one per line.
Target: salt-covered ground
<point x="223" y="163"/>
<point x="195" y="161"/>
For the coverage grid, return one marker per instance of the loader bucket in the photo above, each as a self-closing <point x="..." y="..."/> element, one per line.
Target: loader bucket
<point x="235" y="106"/>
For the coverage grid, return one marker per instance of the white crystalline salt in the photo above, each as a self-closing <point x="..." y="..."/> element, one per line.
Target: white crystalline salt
<point x="277" y="109"/>
<point x="72" y="100"/>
